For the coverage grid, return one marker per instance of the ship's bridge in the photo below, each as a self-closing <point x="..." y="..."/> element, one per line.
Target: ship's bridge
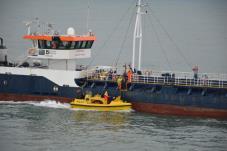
<point x="60" y="46"/>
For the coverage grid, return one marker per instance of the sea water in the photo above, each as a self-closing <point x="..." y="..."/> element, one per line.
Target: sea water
<point x="52" y="126"/>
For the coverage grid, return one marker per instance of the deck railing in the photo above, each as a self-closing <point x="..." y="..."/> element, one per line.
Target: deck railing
<point x="178" y="81"/>
<point x="210" y="80"/>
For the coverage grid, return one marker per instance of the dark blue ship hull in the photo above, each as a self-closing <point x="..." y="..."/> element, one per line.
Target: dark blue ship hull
<point x="32" y="88"/>
<point x="166" y="99"/>
<point x="160" y="99"/>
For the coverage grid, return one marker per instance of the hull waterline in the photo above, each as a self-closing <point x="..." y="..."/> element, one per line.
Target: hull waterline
<point x="101" y="108"/>
<point x="27" y="97"/>
<point x="163" y="109"/>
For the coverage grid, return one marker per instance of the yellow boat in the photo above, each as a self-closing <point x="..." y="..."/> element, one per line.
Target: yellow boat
<point x="98" y="103"/>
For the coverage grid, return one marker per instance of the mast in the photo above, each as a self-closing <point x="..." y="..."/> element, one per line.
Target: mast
<point x="137" y="35"/>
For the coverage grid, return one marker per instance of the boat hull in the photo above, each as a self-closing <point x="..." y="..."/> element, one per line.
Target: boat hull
<point x="168" y="100"/>
<point x="164" y="109"/>
<point x="35" y="88"/>
<point x="29" y="97"/>
<point x="100" y="107"/>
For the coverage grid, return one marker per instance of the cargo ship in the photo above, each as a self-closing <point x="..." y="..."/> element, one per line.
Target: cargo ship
<point x="160" y="92"/>
<point x="36" y="78"/>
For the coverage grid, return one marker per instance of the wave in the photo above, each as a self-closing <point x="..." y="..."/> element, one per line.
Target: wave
<point x="50" y="104"/>
<point x="45" y="103"/>
<point x="56" y="104"/>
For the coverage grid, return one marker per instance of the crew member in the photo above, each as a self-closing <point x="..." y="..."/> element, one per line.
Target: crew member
<point x="195" y="70"/>
<point x="106" y="96"/>
<point x="119" y="82"/>
<point x="54" y="45"/>
<point x="129" y="74"/>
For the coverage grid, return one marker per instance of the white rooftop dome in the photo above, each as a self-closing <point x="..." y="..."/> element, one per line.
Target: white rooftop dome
<point x="71" y="31"/>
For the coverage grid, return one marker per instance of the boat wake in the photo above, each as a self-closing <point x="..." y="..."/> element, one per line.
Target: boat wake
<point x="55" y="104"/>
<point x="45" y="103"/>
<point x="50" y="104"/>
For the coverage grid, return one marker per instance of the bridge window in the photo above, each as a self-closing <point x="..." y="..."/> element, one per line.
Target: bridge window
<point x="68" y="44"/>
<point x="83" y="45"/>
<point x="56" y="44"/>
<point x="41" y="44"/>
<point x="48" y="44"/>
<point x="63" y="45"/>
<point x="72" y="45"/>
<point x="78" y="44"/>
<point x="44" y="44"/>
<point x="89" y="44"/>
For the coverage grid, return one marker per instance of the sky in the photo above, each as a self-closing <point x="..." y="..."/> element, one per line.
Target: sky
<point x="189" y="32"/>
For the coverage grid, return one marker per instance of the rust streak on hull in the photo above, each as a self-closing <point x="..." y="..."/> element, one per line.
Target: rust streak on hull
<point x="179" y="110"/>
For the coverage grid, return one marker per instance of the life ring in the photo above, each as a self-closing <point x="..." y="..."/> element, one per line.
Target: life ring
<point x="31" y="51"/>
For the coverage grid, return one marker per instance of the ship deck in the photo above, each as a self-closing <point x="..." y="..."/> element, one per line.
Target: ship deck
<point x="183" y="79"/>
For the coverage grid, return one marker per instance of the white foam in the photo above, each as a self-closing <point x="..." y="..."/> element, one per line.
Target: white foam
<point x="15" y="102"/>
<point x="55" y="104"/>
<point x="50" y="104"/>
<point x="46" y="103"/>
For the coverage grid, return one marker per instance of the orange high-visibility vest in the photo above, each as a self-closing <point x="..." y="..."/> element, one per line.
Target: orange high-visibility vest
<point x="129" y="76"/>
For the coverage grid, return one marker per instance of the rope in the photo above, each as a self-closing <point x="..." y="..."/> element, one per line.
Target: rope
<point x="160" y="44"/>
<point x="123" y="42"/>
<point x="171" y="39"/>
<point x="110" y="35"/>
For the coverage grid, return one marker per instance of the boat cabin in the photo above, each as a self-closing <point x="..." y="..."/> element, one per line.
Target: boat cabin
<point x="60" y="46"/>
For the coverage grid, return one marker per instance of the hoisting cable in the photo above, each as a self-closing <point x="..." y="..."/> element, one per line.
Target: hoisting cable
<point x="160" y="44"/>
<point x="171" y="39"/>
<point x="111" y="34"/>
<point x="124" y="40"/>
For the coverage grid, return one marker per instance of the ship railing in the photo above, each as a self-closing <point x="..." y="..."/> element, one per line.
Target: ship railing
<point x="164" y="78"/>
<point x="188" y="75"/>
<point x="180" y="81"/>
<point x="110" y="74"/>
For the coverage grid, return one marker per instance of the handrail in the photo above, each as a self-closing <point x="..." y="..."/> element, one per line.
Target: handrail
<point x="178" y="81"/>
<point x="206" y="80"/>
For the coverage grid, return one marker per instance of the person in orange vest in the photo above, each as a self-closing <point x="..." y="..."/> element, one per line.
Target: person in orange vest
<point x="106" y="96"/>
<point x="129" y="74"/>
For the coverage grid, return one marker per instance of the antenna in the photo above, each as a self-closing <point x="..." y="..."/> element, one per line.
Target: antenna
<point x="50" y="28"/>
<point x="38" y="24"/>
<point x="88" y="14"/>
<point x="28" y="25"/>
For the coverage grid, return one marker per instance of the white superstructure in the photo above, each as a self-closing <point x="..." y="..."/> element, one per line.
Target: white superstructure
<point x="50" y="46"/>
